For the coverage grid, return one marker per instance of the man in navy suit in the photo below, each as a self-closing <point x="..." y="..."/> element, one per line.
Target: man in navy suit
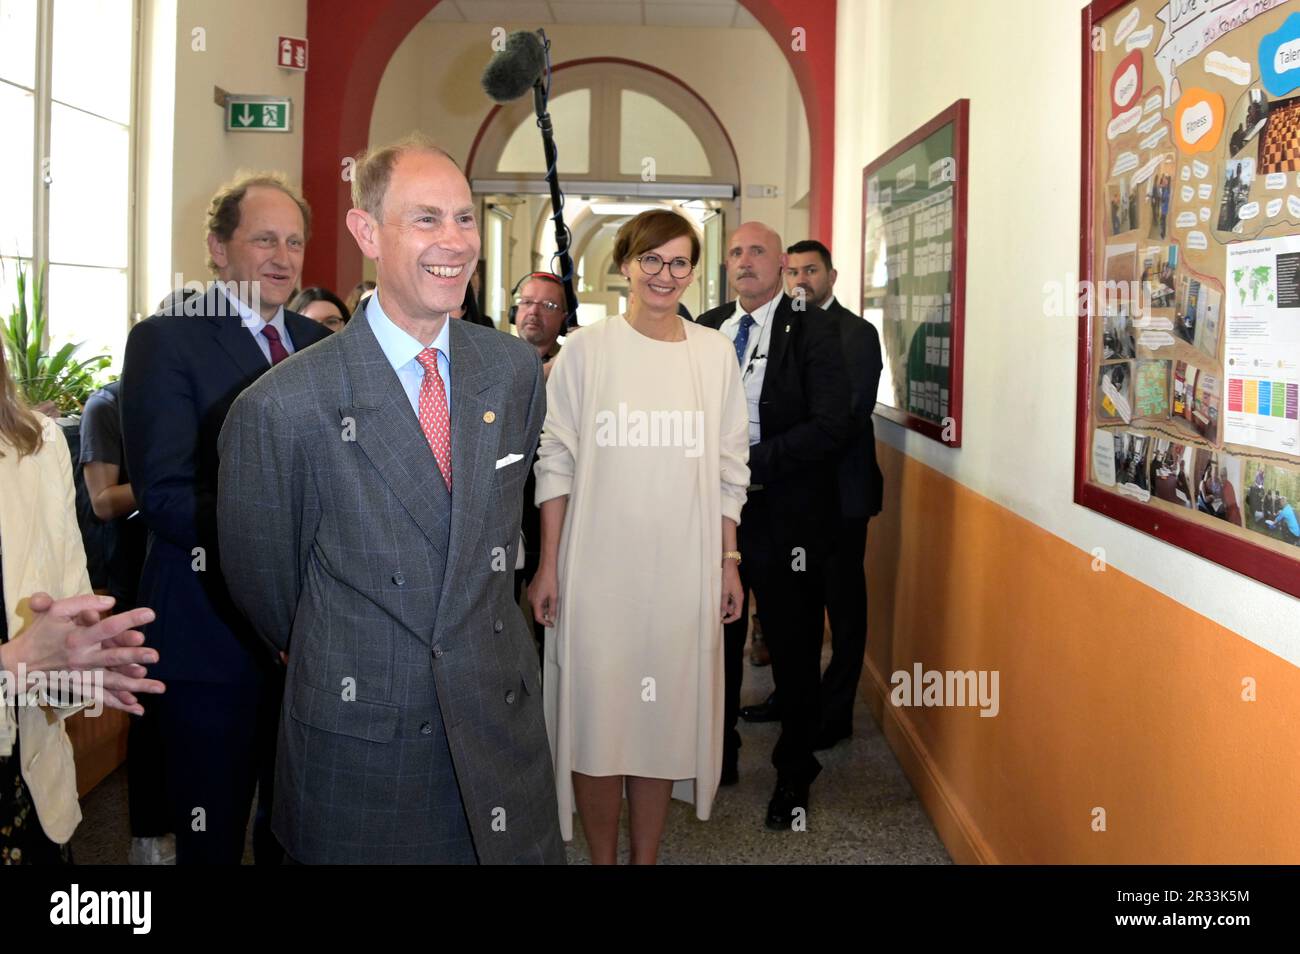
<point x="810" y="278"/>
<point x="184" y="367"/>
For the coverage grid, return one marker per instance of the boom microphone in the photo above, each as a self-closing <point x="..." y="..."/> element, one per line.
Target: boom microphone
<point x="524" y="64"/>
<point x="512" y="71"/>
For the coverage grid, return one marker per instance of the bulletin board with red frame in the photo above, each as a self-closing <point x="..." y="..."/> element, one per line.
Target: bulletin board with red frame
<point x="1187" y="423"/>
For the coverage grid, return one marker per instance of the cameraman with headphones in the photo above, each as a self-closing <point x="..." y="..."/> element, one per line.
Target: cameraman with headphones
<point x="538" y="314"/>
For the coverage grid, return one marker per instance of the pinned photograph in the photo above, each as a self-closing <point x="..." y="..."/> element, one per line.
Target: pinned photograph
<point x="1197" y="315"/>
<point x="1237" y="178"/>
<point x="1272" y="495"/>
<point x="1117" y="339"/>
<point x="1119" y="276"/>
<point x="1131" y="460"/>
<point x="1151" y="390"/>
<point x="1248" y="118"/>
<point x="1197" y="397"/>
<point x="1121" y="207"/>
<point x="1159" y="263"/>
<point x="1279" y="145"/>
<point x="1218" y="478"/>
<point x="1115" y="392"/>
<point x="1159" y="190"/>
<point x="1171" y="472"/>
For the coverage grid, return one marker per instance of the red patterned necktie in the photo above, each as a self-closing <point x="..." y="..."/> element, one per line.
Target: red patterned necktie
<point x="434" y="419"/>
<point x="272" y="336"/>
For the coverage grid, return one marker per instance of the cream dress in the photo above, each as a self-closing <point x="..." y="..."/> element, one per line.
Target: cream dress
<point x="649" y="440"/>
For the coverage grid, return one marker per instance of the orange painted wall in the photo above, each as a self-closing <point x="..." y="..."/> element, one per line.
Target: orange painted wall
<point x="1112" y="695"/>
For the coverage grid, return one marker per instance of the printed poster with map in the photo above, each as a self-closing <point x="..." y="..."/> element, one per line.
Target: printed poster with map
<point x="1190" y="304"/>
<point x="1263" y="345"/>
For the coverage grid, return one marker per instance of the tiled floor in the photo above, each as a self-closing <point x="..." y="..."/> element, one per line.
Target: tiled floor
<point x="863" y="809"/>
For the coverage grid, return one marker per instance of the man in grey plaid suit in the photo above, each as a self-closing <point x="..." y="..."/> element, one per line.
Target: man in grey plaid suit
<point x="370" y="495"/>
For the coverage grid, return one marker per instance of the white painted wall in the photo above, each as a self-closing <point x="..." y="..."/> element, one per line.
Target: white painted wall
<point x="240" y="57"/>
<point x="899" y="62"/>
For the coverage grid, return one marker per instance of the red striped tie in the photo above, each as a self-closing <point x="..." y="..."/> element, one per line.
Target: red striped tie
<point x="434" y="418"/>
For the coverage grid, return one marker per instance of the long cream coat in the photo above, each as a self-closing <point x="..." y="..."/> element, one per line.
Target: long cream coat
<point x="42" y="552"/>
<point x="646" y="565"/>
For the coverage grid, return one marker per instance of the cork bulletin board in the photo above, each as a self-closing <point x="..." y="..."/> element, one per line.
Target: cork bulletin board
<point x="1188" y="418"/>
<point x="914" y="273"/>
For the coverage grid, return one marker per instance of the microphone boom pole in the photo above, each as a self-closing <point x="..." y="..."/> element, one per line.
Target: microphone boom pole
<point x="525" y="61"/>
<point x="557" y="198"/>
<point x="557" y="203"/>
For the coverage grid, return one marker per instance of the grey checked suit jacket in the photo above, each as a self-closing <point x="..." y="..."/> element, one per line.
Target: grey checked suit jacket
<point x="413" y="685"/>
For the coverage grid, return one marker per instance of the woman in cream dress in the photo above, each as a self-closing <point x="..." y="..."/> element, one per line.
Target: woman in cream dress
<point x="641" y="477"/>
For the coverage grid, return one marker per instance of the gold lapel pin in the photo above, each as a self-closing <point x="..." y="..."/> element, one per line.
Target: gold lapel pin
<point x="489" y="417"/>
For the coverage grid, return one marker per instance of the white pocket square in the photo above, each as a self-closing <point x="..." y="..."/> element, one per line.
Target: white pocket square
<point x="508" y="460"/>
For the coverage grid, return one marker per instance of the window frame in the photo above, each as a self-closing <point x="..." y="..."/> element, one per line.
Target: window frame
<point x="43" y="111"/>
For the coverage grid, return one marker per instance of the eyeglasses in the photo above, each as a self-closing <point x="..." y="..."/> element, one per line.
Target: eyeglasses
<point x="549" y="307"/>
<point x="652" y="264"/>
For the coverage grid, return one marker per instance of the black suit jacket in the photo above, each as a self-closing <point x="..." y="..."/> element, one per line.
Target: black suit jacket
<point x="861" y="484"/>
<point x="181" y="374"/>
<point x="805" y="422"/>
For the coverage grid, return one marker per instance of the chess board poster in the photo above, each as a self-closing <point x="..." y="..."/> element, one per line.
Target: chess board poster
<point x="913" y="273"/>
<point x="1188" y="421"/>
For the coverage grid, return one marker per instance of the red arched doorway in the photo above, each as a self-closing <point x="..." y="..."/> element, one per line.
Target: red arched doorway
<point x="357" y="40"/>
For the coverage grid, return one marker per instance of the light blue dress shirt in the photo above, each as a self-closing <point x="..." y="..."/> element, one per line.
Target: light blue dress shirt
<point x="755" y="367"/>
<point x="401" y="350"/>
<point x="255" y="323"/>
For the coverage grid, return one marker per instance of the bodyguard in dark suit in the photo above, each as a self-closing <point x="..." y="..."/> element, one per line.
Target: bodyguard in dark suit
<point x="799" y="421"/>
<point x="370" y="502"/>
<point x="810" y="279"/>
<point x="183" y="369"/>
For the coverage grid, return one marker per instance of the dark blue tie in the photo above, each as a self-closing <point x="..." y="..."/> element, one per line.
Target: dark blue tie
<point x="742" y="337"/>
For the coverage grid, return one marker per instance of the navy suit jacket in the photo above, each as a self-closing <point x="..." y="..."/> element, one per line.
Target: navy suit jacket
<point x="181" y="374"/>
<point x="861" y="484"/>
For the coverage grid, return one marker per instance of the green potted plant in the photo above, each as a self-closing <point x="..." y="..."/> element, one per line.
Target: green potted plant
<point x="55" y="380"/>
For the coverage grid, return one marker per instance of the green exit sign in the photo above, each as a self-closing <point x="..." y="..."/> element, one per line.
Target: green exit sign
<point x="257" y="113"/>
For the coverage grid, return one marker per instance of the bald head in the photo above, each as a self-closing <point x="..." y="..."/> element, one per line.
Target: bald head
<point x="754" y="263"/>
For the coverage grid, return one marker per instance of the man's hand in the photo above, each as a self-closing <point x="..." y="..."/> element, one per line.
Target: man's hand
<point x="733" y="594"/>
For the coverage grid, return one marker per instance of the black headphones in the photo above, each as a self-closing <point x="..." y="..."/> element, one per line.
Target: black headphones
<point x="544" y="276"/>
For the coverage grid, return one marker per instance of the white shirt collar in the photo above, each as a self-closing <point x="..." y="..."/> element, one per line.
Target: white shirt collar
<point x="762" y="312"/>
<point x="255" y="322"/>
<point x="397" y="344"/>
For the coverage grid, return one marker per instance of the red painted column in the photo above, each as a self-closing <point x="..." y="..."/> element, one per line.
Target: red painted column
<point x="351" y="44"/>
<point x="814" y="71"/>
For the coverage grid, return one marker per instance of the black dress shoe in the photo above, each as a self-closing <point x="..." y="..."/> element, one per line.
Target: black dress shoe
<point x="828" y="737"/>
<point x="781" y="810"/>
<point x="765" y="711"/>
